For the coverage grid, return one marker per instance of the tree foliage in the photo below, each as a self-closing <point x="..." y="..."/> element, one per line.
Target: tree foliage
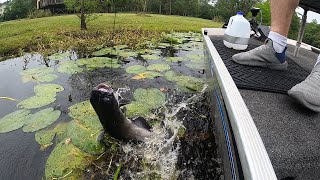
<point x="17" y="9"/>
<point x="312" y="34"/>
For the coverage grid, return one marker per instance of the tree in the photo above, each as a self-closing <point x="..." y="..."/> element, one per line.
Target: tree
<point x="84" y="9"/>
<point x="17" y="9"/>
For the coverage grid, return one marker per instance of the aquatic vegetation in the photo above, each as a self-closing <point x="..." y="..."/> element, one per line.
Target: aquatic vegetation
<point x="147" y="51"/>
<point x="66" y="160"/>
<point x="145" y="101"/>
<point x="174" y="59"/>
<point x="189" y="83"/>
<point x="119" y="47"/>
<point x="84" y="136"/>
<point x="69" y="67"/>
<point x="170" y="76"/>
<point x="136" y="69"/>
<point x="125" y="53"/>
<point x="60" y="56"/>
<point x="195" y="58"/>
<point x="39" y="74"/>
<point x="41" y="120"/>
<point x="36" y="102"/>
<point x="98" y="62"/>
<point x="150" y="57"/>
<point x="48" y="89"/>
<point x="44" y="137"/>
<point x="14" y="120"/>
<point x="103" y="52"/>
<point x="82" y="110"/>
<point x="147" y="75"/>
<point x="158" y="67"/>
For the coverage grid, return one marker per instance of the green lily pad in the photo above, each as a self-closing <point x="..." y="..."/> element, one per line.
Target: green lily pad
<point x="136" y="108"/>
<point x="61" y="131"/>
<point x="147" y="75"/>
<point x="99" y="62"/>
<point x="47" y="89"/>
<point x="103" y="52"/>
<point x="82" y="110"/>
<point x="69" y="67"/>
<point x="44" y="137"/>
<point x="36" y="102"/>
<point x="190" y="83"/>
<point x="84" y="137"/>
<point x="161" y="45"/>
<point x="152" y="97"/>
<point x="174" y="59"/>
<point x="41" y="120"/>
<point x="119" y="47"/>
<point x="158" y="67"/>
<point x="136" y="69"/>
<point x="148" y="51"/>
<point x="170" y="76"/>
<point x="14" y="120"/>
<point x="59" y="56"/>
<point x="196" y="58"/>
<point x="40" y="74"/>
<point x="125" y="53"/>
<point x="66" y="160"/>
<point x="150" y="57"/>
<point x="195" y="66"/>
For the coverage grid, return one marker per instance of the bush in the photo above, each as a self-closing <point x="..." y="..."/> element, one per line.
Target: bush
<point x="39" y="13"/>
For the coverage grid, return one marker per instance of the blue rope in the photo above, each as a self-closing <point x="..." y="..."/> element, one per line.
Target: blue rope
<point x="226" y="134"/>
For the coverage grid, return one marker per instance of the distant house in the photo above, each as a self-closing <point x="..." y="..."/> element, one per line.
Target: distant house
<point x="2" y="8"/>
<point x="52" y="5"/>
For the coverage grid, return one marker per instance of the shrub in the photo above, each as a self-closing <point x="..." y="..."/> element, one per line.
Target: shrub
<point x="39" y="13"/>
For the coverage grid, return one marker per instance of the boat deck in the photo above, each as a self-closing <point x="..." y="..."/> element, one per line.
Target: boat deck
<point x="290" y="133"/>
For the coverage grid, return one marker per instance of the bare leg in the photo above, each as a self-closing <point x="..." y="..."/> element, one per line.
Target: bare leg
<point x="281" y="15"/>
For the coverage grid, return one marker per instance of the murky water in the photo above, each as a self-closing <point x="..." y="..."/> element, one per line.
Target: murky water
<point x="183" y="146"/>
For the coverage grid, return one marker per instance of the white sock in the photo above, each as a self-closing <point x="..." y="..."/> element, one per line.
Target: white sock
<point x="318" y="61"/>
<point x="279" y="41"/>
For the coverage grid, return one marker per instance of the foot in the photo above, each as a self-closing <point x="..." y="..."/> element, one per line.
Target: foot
<point x="263" y="56"/>
<point x="307" y="92"/>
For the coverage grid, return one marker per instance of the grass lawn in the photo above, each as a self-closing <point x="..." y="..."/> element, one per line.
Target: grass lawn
<point x="24" y="34"/>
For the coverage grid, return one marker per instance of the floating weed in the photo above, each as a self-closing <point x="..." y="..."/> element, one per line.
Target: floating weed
<point x="60" y="56"/>
<point x="174" y="59"/>
<point x="136" y="69"/>
<point x="66" y="160"/>
<point x="36" y="102"/>
<point x="8" y="98"/>
<point x="47" y="89"/>
<point x="14" y="120"/>
<point x="41" y="120"/>
<point x="39" y="74"/>
<point x="158" y="67"/>
<point x="150" y="57"/>
<point x="82" y="110"/>
<point x="69" y="67"/>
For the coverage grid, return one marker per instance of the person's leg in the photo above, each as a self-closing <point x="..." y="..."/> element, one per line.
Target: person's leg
<point x="272" y="53"/>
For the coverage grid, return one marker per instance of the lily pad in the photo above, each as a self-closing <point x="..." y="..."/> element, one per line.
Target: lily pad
<point x="59" y="56"/>
<point x="148" y="51"/>
<point x="196" y="58"/>
<point x="125" y="53"/>
<point x="99" y="62"/>
<point x="66" y="160"/>
<point x="36" y="102"/>
<point x="82" y="110"/>
<point x="174" y="59"/>
<point x="41" y="120"/>
<point x="44" y="137"/>
<point x="190" y="83"/>
<point x="61" y="131"/>
<point x="14" y="120"/>
<point x="150" y="57"/>
<point x="47" y="89"/>
<point x="103" y="52"/>
<point x="84" y="137"/>
<point x="158" y="67"/>
<point x="136" y="108"/>
<point x="147" y="75"/>
<point x="119" y="47"/>
<point x="40" y="74"/>
<point x="69" y="67"/>
<point x="170" y="76"/>
<point x="136" y="69"/>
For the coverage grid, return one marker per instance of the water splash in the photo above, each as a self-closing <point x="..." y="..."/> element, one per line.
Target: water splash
<point x="159" y="153"/>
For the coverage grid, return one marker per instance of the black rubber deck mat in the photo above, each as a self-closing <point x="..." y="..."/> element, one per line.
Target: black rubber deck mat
<point x="257" y="78"/>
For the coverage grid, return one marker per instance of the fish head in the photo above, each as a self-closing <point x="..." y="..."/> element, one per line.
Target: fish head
<point x="104" y="101"/>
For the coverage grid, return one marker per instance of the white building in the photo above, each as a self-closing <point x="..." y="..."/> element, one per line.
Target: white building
<point x="2" y="7"/>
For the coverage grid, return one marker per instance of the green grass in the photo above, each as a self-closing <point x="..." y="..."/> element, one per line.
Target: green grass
<point x="20" y="34"/>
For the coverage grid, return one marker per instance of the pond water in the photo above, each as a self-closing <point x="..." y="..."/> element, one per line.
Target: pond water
<point x="48" y="128"/>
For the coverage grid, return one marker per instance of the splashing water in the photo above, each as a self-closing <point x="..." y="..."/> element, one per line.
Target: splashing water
<point x="159" y="153"/>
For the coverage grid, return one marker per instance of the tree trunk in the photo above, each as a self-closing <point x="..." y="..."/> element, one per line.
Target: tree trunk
<point x="160" y="7"/>
<point x="83" y="17"/>
<point x="145" y="6"/>
<point x="170" y="10"/>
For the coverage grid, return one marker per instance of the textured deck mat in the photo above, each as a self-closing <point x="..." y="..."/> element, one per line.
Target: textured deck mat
<point x="256" y="78"/>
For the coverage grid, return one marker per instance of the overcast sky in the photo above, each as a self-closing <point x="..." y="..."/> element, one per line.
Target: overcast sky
<point x="311" y="15"/>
